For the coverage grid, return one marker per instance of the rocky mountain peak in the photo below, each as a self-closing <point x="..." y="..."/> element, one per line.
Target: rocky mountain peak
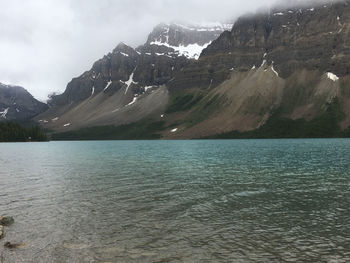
<point x="184" y="39"/>
<point x="16" y="103"/>
<point x="127" y="76"/>
<point x="123" y="48"/>
<point x="168" y="50"/>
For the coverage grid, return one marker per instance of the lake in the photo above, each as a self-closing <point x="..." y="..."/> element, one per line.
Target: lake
<point x="177" y="201"/>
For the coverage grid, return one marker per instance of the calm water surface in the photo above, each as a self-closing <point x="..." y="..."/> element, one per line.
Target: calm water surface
<point x="177" y="201"/>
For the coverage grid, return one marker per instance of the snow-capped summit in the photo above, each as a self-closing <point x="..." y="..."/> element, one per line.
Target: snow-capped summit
<point x="117" y="85"/>
<point x="186" y="39"/>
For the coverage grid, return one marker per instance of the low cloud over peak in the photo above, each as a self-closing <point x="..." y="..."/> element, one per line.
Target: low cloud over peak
<point x="45" y="43"/>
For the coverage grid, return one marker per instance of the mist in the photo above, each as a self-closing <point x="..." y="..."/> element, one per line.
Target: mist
<point x="45" y="43"/>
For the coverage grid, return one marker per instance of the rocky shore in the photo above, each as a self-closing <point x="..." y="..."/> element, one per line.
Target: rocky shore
<point x="5" y="222"/>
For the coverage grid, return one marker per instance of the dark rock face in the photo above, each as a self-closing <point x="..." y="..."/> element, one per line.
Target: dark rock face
<point x="7" y="221"/>
<point x="16" y="103"/>
<point x="168" y="50"/>
<point x="311" y="37"/>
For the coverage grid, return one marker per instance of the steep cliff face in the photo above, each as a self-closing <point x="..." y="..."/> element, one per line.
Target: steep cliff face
<point x="293" y="60"/>
<point x="16" y="103"/>
<point x="314" y="38"/>
<point x="123" y="79"/>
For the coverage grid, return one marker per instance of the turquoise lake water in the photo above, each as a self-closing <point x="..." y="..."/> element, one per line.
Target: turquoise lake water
<point x="177" y="201"/>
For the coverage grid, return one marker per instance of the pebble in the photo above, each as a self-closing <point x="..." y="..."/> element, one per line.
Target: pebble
<point x="14" y="245"/>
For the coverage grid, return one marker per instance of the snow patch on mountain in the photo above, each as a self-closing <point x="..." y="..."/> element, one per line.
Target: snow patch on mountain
<point x="124" y="54"/>
<point x="132" y="102"/>
<point x="191" y="51"/>
<point x="332" y="76"/>
<point x="129" y="81"/>
<point x="4" y="113"/>
<point x="274" y="71"/>
<point x="107" y="86"/>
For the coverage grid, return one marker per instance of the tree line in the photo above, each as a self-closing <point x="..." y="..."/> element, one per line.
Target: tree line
<point x="14" y="132"/>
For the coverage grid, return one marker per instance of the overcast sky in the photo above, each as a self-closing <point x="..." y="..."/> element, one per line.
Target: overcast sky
<point x="45" y="43"/>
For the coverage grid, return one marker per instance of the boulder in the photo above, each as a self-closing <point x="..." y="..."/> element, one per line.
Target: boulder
<point x="1" y="231"/>
<point x="7" y="221"/>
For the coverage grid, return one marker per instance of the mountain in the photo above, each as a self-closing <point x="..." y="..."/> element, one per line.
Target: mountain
<point x="128" y="84"/>
<point x="279" y="73"/>
<point x="292" y="62"/>
<point x="16" y="103"/>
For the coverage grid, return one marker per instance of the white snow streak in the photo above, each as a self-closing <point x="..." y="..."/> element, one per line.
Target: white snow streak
<point x="274" y="71"/>
<point x="332" y="76"/>
<point x="107" y="86"/>
<point x="66" y="125"/>
<point x="132" y="102"/>
<point x="174" y="130"/>
<point x="148" y="87"/>
<point x="4" y="112"/>
<point x="163" y="54"/>
<point x="130" y="81"/>
<point x="124" y="54"/>
<point x="190" y="51"/>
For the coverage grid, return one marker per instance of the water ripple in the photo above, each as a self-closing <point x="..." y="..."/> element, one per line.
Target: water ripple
<point x="177" y="201"/>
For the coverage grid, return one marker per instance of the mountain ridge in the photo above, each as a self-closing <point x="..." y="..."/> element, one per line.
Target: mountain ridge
<point x="127" y="75"/>
<point x="16" y="103"/>
<point x="294" y="61"/>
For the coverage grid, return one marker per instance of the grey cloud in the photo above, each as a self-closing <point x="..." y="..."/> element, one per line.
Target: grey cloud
<point x="45" y="43"/>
